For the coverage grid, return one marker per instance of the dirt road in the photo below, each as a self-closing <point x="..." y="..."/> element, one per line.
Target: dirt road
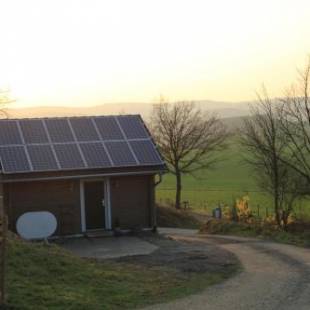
<point x="275" y="276"/>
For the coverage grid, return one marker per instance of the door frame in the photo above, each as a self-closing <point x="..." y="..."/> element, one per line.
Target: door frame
<point x="107" y="201"/>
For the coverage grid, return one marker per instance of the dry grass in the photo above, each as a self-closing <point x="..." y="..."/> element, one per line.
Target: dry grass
<point x="298" y="233"/>
<point x="170" y="217"/>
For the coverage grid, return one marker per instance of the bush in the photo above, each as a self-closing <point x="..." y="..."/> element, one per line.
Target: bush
<point x="239" y="211"/>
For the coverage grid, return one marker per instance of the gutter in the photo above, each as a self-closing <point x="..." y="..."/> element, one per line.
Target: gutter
<point x="85" y="176"/>
<point x="154" y="208"/>
<point x="160" y="179"/>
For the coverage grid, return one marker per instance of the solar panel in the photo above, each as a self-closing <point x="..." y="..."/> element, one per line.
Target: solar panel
<point x="53" y="144"/>
<point x="120" y="153"/>
<point x="33" y="131"/>
<point x="69" y="156"/>
<point x="145" y="152"/>
<point x="108" y="128"/>
<point x="59" y="130"/>
<point x="9" y="133"/>
<point x="133" y="127"/>
<point x="95" y="155"/>
<point x="84" y="129"/>
<point x="42" y="157"/>
<point x="14" y="159"/>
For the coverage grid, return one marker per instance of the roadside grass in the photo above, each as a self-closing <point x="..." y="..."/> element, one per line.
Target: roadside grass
<point x="300" y="236"/>
<point x="47" y="277"/>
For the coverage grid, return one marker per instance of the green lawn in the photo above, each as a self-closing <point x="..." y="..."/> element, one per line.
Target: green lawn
<point x="229" y="179"/>
<point x="47" y="277"/>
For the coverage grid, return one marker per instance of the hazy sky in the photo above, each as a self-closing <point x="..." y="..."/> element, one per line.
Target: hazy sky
<point x="91" y="52"/>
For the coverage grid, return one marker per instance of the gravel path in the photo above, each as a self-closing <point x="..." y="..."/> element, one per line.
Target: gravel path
<point x="275" y="276"/>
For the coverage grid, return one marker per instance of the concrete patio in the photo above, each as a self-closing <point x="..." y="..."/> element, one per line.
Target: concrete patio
<point x="108" y="247"/>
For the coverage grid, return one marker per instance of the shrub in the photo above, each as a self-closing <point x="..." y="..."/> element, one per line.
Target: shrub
<point x="239" y="211"/>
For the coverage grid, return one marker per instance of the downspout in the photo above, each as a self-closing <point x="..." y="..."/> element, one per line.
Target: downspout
<point x="154" y="207"/>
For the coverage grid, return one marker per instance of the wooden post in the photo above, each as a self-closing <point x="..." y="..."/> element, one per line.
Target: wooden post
<point x="3" y="228"/>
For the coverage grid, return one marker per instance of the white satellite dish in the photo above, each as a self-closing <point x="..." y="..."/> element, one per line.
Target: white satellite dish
<point x="36" y="225"/>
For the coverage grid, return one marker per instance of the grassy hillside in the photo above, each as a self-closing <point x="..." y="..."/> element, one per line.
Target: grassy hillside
<point x="170" y="217"/>
<point x="47" y="277"/>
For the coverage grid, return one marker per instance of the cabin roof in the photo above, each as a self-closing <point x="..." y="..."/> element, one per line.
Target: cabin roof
<point x="76" y="143"/>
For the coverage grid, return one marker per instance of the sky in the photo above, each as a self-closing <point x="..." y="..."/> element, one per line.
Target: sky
<point x="90" y="52"/>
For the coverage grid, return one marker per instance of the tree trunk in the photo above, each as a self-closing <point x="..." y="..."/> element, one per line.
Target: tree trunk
<point x="276" y="208"/>
<point x="285" y="216"/>
<point x="178" y="190"/>
<point x="276" y="188"/>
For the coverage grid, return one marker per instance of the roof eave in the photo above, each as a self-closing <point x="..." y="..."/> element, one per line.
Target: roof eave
<point x="81" y="174"/>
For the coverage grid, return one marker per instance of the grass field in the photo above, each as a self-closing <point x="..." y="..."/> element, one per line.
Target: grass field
<point x="229" y="179"/>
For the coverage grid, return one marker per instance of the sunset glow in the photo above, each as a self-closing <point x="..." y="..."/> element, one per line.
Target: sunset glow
<point x="92" y="52"/>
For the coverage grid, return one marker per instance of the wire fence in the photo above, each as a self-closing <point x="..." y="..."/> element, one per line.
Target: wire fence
<point x="215" y="190"/>
<point x="207" y="200"/>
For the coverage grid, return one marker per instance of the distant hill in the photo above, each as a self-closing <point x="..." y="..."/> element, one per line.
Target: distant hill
<point x="234" y="123"/>
<point x="222" y="109"/>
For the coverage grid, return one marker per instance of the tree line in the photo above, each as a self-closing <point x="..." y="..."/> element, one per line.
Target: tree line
<point x="276" y="137"/>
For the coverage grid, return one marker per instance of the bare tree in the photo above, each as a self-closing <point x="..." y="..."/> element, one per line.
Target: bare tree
<point x="295" y="124"/>
<point x="188" y="139"/>
<point x="4" y="101"/>
<point x="266" y="143"/>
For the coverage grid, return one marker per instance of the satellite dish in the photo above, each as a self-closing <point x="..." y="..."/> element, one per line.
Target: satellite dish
<point x="36" y="225"/>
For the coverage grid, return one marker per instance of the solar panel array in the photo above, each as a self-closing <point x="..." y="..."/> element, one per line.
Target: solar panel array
<point x="54" y="144"/>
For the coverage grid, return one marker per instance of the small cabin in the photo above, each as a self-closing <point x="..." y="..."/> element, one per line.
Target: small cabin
<point x="91" y="173"/>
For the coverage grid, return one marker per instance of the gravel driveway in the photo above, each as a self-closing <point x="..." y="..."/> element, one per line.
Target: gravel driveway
<point x="275" y="276"/>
